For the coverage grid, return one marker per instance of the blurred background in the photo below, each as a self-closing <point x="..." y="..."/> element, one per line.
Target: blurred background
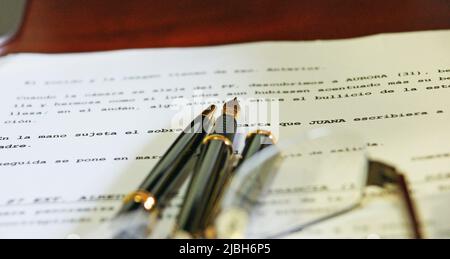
<point x="91" y="25"/>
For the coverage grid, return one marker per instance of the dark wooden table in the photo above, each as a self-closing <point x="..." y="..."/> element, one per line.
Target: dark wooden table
<point x="90" y="25"/>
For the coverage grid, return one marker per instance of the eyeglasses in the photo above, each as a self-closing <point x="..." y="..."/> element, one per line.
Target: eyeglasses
<point x="305" y="181"/>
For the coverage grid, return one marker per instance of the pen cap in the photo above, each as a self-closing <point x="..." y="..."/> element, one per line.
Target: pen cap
<point x="167" y="176"/>
<point x="210" y="174"/>
<point x="255" y="142"/>
<point x="279" y="189"/>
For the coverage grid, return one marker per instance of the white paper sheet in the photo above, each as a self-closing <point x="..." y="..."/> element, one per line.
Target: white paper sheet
<point x="79" y="131"/>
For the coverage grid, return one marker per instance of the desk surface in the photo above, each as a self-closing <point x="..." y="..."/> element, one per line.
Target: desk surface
<point x="91" y="25"/>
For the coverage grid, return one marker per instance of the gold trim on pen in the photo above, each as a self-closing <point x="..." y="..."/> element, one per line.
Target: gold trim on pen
<point x="210" y="232"/>
<point x="226" y="140"/>
<point x="146" y="199"/>
<point x="264" y="133"/>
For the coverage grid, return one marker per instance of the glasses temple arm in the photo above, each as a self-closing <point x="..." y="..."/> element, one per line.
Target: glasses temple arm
<point x="381" y="174"/>
<point x="410" y="206"/>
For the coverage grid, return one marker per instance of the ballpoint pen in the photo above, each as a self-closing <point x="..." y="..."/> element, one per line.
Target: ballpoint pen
<point x="171" y="170"/>
<point x="211" y="173"/>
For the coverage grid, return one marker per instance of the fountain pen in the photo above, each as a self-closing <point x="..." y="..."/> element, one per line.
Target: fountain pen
<point x="212" y="171"/>
<point x="172" y="169"/>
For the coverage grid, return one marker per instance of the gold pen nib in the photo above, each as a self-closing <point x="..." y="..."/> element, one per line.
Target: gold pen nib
<point x="209" y="112"/>
<point x="232" y="108"/>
